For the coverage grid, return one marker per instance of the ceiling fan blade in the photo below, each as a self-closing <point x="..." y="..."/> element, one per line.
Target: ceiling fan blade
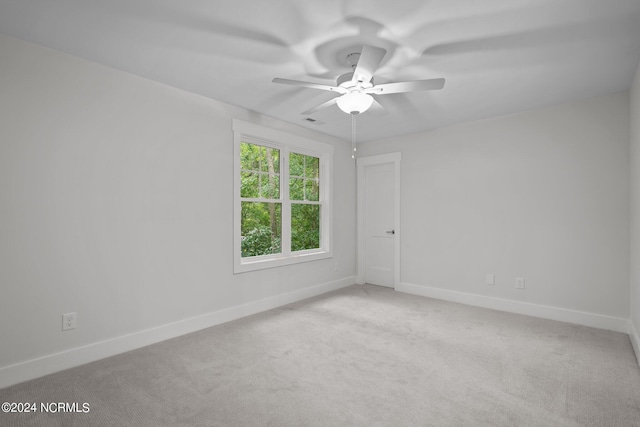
<point x="370" y="59"/>
<point x="309" y="85"/>
<point x="329" y="103"/>
<point x="401" y="87"/>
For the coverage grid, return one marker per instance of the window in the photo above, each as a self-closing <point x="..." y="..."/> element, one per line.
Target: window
<point x="282" y="198"/>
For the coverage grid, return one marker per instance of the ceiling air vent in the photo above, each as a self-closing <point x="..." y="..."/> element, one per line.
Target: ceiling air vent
<point x="314" y="121"/>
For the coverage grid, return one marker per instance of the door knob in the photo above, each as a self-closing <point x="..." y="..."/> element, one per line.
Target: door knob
<point x="391" y="232"/>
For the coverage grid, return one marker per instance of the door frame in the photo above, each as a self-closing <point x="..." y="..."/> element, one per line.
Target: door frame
<point x="362" y="163"/>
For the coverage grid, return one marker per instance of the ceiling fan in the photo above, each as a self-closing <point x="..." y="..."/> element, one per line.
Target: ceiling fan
<point x="356" y="88"/>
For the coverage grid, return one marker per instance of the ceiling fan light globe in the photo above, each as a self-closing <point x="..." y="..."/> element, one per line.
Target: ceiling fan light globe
<point x="355" y="102"/>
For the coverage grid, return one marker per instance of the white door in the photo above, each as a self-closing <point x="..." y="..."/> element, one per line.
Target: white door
<point x="379" y="225"/>
<point x="378" y="216"/>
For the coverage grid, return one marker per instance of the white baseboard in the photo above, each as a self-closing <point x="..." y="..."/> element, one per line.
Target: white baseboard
<point x="543" y="311"/>
<point x="51" y="363"/>
<point x="635" y="340"/>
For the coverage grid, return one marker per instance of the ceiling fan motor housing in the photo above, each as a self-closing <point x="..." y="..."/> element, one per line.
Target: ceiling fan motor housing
<point x="353" y="58"/>
<point x="346" y="81"/>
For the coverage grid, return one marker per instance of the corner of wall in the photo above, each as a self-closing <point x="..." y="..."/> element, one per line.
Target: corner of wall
<point x="635" y="340"/>
<point x="634" y="194"/>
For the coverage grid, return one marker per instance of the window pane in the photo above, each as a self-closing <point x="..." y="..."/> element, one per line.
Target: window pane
<point x="276" y="160"/>
<point x="296" y="188"/>
<point x="250" y="156"/>
<point x="249" y="186"/>
<point x="311" y="190"/>
<point x="270" y="160"/>
<point x="261" y="226"/>
<point x="270" y="186"/>
<point x="305" y="227"/>
<point x="312" y="167"/>
<point x="296" y="164"/>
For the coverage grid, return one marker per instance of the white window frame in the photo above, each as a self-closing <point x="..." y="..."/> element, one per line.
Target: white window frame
<point x="285" y="142"/>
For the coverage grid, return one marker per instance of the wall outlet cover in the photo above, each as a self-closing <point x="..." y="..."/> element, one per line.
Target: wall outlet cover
<point x="68" y="321"/>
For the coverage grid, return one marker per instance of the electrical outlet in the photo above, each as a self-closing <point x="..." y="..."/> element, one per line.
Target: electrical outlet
<point x="519" y="282"/>
<point x="490" y="279"/>
<point x="68" y="321"/>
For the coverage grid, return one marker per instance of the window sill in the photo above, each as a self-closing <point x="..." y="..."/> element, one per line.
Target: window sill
<point x="261" y="263"/>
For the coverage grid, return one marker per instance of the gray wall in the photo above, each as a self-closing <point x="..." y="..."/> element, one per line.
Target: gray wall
<point x="117" y="204"/>
<point x="543" y="194"/>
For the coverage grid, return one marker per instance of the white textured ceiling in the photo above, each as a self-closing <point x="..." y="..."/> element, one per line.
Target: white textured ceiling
<point x="497" y="56"/>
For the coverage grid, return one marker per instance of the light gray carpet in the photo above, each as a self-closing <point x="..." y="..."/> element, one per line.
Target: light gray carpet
<point x="362" y="356"/>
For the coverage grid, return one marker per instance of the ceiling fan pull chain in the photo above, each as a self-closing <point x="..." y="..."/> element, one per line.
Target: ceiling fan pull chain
<point x="353" y="136"/>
